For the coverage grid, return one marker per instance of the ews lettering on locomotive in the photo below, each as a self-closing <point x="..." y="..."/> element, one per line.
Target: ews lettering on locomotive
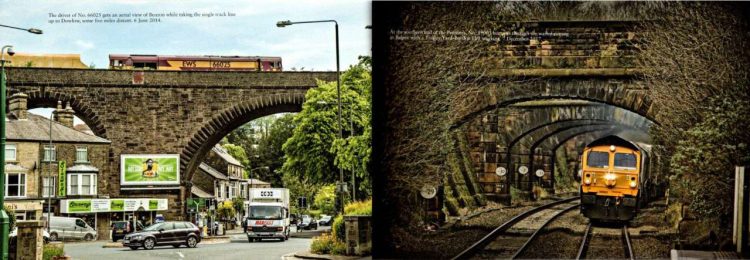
<point x="188" y="63"/>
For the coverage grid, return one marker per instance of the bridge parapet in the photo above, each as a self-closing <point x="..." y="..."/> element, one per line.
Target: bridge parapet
<point x="178" y="79"/>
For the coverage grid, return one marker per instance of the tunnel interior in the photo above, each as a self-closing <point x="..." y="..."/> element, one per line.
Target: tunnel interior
<point x="531" y="148"/>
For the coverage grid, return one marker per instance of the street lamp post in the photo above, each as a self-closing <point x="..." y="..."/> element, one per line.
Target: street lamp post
<point x="4" y="218"/>
<point x="281" y="24"/>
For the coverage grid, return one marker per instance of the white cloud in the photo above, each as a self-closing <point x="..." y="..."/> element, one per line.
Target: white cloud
<point x="84" y="44"/>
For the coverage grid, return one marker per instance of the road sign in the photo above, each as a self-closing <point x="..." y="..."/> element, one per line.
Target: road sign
<point x="501" y="171"/>
<point x="428" y="191"/>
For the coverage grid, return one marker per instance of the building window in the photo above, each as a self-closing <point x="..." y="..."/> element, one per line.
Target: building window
<point x="48" y="186"/>
<point x="10" y="152"/>
<point x="49" y="153"/>
<point x="82" y="154"/>
<point x="227" y="191"/>
<point x="82" y="184"/>
<point x="16" y="185"/>
<point x="232" y="190"/>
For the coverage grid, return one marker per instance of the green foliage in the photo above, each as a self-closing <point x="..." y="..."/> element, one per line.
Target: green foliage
<point x="314" y="150"/>
<point x="226" y="210"/>
<point x="704" y="160"/>
<point x="360" y="208"/>
<point x="338" y="228"/>
<point x="327" y="244"/>
<point x="325" y="199"/>
<point x="11" y="217"/>
<point x="50" y="251"/>
<point x="238" y="203"/>
<point x="299" y="187"/>
<point x="315" y="214"/>
<point x="238" y="153"/>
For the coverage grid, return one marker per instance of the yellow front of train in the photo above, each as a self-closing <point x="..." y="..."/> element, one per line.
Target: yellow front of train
<point x="610" y="182"/>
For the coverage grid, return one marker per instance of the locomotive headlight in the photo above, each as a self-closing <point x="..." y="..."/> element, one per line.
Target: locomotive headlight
<point x="612" y="148"/>
<point x="587" y="181"/>
<point x="633" y="184"/>
<point x="609" y="179"/>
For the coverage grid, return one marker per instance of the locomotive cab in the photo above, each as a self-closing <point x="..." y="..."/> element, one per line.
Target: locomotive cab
<point x="611" y="179"/>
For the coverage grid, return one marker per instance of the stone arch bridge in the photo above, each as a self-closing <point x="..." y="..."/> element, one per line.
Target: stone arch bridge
<point x="156" y="112"/>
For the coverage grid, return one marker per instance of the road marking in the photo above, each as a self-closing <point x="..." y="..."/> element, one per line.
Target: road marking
<point x="180" y="253"/>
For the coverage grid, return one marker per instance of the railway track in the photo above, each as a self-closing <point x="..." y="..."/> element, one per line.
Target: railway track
<point x="511" y="239"/>
<point x="602" y="247"/>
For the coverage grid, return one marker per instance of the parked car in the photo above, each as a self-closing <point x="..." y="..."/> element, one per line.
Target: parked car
<point x="174" y="233"/>
<point x="69" y="227"/>
<point x="122" y="228"/>
<point x="45" y="235"/>
<point x="325" y="220"/>
<point x="159" y="218"/>
<point x="307" y="223"/>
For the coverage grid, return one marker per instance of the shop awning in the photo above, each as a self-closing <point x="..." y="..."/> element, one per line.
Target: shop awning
<point x="200" y="193"/>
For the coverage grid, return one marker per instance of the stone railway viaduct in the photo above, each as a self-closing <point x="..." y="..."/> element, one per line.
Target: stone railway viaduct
<point x="155" y="112"/>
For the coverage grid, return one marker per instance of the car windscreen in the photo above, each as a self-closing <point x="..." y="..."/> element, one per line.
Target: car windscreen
<point x="154" y="227"/>
<point x="121" y="225"/>
<point x="264" y="212"/>
<point x="625" y="160"/>
<point x="598" y="159"/>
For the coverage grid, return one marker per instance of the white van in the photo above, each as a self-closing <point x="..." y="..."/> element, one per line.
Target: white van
<point x="68" y="227"/>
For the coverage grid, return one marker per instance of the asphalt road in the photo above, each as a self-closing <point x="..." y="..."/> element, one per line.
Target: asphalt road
<point x="238" y="248"/>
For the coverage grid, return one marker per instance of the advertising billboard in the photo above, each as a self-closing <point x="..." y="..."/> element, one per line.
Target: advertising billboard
<point x="149" y="169"/>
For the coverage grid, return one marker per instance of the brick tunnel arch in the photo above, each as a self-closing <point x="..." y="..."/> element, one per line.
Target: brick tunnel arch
<point x="630" y="96"/>
<point x="537" y="125"/>
<point x="227" y="121"/>
<point x="42" y="99"/>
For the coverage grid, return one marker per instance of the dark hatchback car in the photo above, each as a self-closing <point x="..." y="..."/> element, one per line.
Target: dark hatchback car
<point x="307" y="223"/>
<point x="121" y="228"/>
<point x="175" y="233"/>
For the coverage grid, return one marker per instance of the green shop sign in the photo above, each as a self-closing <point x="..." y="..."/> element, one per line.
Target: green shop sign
<point x="153" y="204"/>
<point x="61" y="178"/>
<point x="79" y="206"/>
<point x="149" y="169"/>
<point x="117" y="205"/>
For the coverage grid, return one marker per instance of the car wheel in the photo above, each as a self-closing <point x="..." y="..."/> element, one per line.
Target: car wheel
<point x="88" y="237"/>
<point x="192" y="242"/>
<point x="250" y="240"/>
<point x="149" y="243"/>
<point x="134" y="247"/>
<point x="114" y="239"/>
<point x="53" y="236"/>
<point x="46" y="240"/>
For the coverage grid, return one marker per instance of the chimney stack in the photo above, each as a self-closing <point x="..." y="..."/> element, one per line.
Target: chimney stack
<point x="17" y="104"/>
<point x="62" y="115"/>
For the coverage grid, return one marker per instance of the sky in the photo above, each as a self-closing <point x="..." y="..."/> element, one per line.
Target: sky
<point x="252" y="31"/>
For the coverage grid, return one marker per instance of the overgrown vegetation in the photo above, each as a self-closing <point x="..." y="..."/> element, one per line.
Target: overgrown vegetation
<point x="49" y="252"/>
<point x="696" y="63"/>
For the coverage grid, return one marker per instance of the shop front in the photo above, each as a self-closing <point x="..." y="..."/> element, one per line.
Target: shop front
<point x="100" y="213"/>
<point x="26" y="209"/>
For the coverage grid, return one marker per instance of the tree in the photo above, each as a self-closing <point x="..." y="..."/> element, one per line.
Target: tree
<point x="314" y="150"/>
<point x="238" y="153"/>
<point x="325" y="199"/>
<point x="270" y="152"/>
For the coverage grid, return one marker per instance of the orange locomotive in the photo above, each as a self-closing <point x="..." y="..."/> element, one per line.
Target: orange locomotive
<point x="194" y="63"/>
<point x="613" y="179"/>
